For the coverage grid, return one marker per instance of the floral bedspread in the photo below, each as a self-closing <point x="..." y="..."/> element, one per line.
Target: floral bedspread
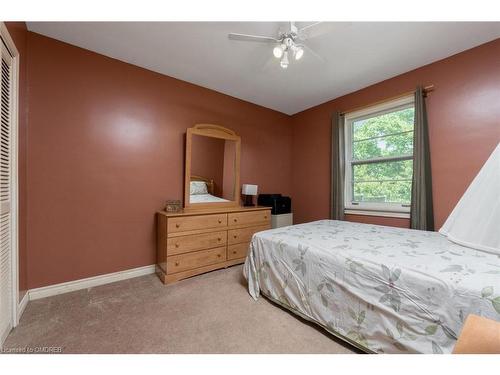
<point x="205" y="198"/>
<point x="389" y="290"/>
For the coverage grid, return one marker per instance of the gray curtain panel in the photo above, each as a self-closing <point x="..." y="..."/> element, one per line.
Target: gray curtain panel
<point x="421" y="214"/>
<point x="337" y="168"/>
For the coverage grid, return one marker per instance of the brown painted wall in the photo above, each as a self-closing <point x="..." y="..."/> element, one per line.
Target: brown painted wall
<point x="464" y="121"/>
<point x="18" y="32"/>
<point x="106" y="149"/>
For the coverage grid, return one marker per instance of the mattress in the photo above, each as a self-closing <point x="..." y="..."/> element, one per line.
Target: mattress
<point x="383" y="289"/>
<point x="205" y="198"/>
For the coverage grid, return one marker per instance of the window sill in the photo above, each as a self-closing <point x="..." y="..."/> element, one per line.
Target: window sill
<point x="400" y="215"/>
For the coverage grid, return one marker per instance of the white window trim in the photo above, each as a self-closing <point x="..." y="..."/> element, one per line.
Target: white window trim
<point x="402" y="215"/>
<point x="371" y="208"/>
<point x="16" y="304"/>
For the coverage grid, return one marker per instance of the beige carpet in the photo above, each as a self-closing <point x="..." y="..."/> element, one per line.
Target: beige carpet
<point x="211" y="313"/>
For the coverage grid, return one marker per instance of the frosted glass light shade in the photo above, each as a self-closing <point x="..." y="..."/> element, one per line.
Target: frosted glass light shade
<point x="284" y="60"/>
<point x="299" y="52"/>
<point x="278" y="52"/>
<point x="247" y="189"/>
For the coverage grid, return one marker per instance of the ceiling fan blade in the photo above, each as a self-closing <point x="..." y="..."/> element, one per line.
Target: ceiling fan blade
<point x="312" y="52"/>
<point x="309" y="26"/>
<point x="252" y="38"/>
<point x="314" y="30"/>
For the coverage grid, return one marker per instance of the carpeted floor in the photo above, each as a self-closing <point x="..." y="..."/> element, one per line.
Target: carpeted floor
<point x="211" y="313"/>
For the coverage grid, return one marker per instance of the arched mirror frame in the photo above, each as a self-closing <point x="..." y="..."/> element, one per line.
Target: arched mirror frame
<point x="214" y="131"/>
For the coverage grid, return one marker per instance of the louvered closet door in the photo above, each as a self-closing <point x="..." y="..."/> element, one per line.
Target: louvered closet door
<point x="5" y="194"/>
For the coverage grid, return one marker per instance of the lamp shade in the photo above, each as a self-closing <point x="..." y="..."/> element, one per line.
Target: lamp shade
<point x="247" y="189"/>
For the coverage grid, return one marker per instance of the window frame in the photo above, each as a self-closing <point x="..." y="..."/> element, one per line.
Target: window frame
<point x="372" y="208"/>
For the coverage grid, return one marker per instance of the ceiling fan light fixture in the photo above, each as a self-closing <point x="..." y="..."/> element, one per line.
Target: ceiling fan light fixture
<point x="284" y="60"/>
<point x="286" y="42"/>
<point x="299" y="52"/>
<point x="278" y="52"/>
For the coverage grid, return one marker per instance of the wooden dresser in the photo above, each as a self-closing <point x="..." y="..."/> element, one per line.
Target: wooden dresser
<point x="193" y="242"/>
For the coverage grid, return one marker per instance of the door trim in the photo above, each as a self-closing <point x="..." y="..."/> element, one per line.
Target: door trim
<point x="14" y="173"/>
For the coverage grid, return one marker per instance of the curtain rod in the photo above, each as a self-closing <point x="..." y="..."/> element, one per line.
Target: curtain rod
<point x="427" y="89"/>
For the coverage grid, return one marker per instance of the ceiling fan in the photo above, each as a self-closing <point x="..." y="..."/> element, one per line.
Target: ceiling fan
<point x="288" y="44"/>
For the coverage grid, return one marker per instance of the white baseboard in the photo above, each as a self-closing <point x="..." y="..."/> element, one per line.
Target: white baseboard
<point x="89" y="282"/>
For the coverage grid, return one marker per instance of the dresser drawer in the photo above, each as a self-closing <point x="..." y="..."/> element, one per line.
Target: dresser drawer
<point x="237" y="251"/>
<point x="185" y="244"/>
<point x="184" y="262"/>
<point x="252" y="217"/>
<point x="243" y="234"/>
<point x="186" y="223"/>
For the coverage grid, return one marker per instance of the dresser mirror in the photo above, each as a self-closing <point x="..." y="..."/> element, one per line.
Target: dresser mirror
<point x="212" y="171"/>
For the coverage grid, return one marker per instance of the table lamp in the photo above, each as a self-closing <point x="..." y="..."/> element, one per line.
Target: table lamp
<point x="248" y="191"/>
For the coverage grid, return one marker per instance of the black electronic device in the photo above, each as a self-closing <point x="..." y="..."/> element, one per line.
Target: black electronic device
<point x="279" y="204"/>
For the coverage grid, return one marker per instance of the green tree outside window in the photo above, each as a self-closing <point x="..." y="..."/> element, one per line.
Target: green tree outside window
<point x="385" y="136"/>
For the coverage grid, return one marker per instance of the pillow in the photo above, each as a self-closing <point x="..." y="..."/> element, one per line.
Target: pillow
<point x="197" y="188"/>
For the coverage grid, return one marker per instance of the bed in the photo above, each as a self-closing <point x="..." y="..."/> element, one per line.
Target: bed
<point x="205" y="198"/>
<point x="202" y="190"/>
<point x="383" y="289"/>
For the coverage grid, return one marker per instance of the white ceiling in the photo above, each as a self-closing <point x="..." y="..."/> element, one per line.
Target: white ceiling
<point x="356" y="54"/>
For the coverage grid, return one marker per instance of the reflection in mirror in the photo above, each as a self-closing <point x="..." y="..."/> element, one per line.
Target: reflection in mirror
<point x="212" y="169"/>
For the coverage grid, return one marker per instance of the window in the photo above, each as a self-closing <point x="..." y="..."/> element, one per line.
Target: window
<point x="379" y="158"/>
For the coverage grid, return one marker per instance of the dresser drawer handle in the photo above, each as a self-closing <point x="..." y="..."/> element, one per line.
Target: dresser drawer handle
<point x="220" y="221"/>
<point x="177" y="263"/>
<point x="235" y="220"/>
<point x="235" y="236"/>
<point x="265" y="217"/>
<point x="219" y="255"/>
<point x="234" y="251"/>
<point x="219" y="239"/>
<point x="176" y="245"/>
<point x="177" y="225"/>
